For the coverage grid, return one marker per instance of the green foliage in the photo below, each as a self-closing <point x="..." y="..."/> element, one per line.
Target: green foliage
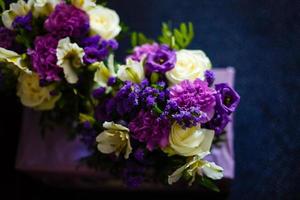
<point x="177" y="38"/>
<point x="2" y="5"/>
<point x="138" y="38"/>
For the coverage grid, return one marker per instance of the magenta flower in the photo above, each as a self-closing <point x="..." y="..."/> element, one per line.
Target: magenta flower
<point x="43" y="58"/>
<point x="149" y="129"/>
<point x="195" y="101"/>
<point x="67" y="20"/>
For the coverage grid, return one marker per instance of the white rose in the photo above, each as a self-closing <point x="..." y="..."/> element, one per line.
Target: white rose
<point x="104" y="21"/>
<point x="33" y="95"/>
<point x="190" y="65"/>
<point x="132" y="71"/>
<point x="21" y="8"/>
<point x="42" y="7"/>
<point x="190" y="141"/>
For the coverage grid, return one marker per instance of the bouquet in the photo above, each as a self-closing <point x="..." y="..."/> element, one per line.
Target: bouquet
<point x="152" y="118"/>
<point x="49" y="51"/>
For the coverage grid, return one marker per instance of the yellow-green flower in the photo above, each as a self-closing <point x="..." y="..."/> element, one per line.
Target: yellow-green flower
<point x="103" y="73"/>
<point x="33" y="95"/>
<point x="42" y="7"/>
<point x="189" y="141"/>
<point x="115" y="139"/>
<point x="69" y="57"/>
<point x="21" y="8"/>
<point x="196" y="165"/>
<point x="14" y="59"/>
<point x="84" y="4"/>
<point x="133" y="71"/>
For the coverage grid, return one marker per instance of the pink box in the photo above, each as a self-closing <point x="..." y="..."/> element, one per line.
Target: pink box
<point x="54" y="159"/>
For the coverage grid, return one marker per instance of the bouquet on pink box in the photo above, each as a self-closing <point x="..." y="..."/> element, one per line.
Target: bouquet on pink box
<point x="163" y="116"/>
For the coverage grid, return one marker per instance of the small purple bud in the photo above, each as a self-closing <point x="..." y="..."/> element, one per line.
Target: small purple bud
<point x="99" y="92"/>
<point x="111" y="81"/>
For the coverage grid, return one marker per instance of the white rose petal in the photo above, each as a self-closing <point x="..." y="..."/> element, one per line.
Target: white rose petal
<point x="190" y="65"/>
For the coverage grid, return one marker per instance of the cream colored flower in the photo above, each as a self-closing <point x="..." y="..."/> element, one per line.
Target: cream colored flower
<point x="103" y="73"/>
<point x="34" y="96"/>
<point x="13" y="58"/>
<point x="104" y="21"/>
<point x="132" y="71"/>
<point x="196" y="165"/>
<point x="114" y="140"/>
<point x="42" y="7"/>
<point x="190" y="65"/>
<point x="21" y="8"/>
<point x="69" y="57"/>
<point x="84" y="4"/>
<point x="190" y="141"/>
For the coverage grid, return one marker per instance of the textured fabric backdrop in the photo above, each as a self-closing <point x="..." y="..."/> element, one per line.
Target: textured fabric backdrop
<point x="261" y="39"/>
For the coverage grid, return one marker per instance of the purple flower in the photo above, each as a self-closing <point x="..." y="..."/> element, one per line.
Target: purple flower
<point x="227" y="98"/>
<point x="161" y="60"/>
<point x="111" y="81"/>
<point x="143" y="50"/>
<point x="96" y="49"/>
<point x="209" y="77"/>
<point x="88" y="135"/>
<point x="139" y="154"/>
<point x="195" y="102"/>
<point x="218" y="122"/>
<point x="23" y="22"/>
<point x="99" y="92"/>
<point x="43" y="58"/>
<point x="149" y="129"/>
<point x="103" y="111"/>
<point x="7" y="38"/>
<point x="67" y="20"/>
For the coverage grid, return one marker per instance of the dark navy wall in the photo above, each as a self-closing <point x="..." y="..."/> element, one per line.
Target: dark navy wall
<point x="261" y="39"/>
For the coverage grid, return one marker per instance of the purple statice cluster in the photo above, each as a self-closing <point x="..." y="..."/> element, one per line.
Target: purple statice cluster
<point x="97" y="49"/>
<point x="88" y="134"/>
<point x="23" y="22"/>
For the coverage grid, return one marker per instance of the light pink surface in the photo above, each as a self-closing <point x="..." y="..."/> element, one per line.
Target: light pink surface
<point x="56" y="156"/>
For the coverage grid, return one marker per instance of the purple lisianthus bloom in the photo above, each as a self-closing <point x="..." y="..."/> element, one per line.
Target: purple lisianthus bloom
<point x="227" y="98"/>
<point x="96" y="49"/>
<point x="209" y="77"/>
<point x="195" y="102"/>
<point x="161" y="60"/>
<point x="23" y="22"/>
<point x="7" y="38"/>
<point x="67" y="20"/>
<point x="150" y="129"/>
<point x="218" y="122"/>
<point x="43" y="58"/>
<point x="142" y="51"/>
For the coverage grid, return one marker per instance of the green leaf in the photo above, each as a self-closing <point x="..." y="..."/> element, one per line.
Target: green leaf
<point x="177" y="38"/>
<point x="2" y="5"/>
<point x="138" y="38"/>
<point x="206" y="182"/>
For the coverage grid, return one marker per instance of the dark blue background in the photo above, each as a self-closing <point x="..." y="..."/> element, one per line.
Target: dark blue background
<point x="261" y="39"/>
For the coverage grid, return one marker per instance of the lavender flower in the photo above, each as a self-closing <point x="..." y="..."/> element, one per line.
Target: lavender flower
<point x="99" y="92"/>
<point x="67" y="20"/>
<point x="7" y="38"/>
<point x="227" y="98"/>
<point x="209" y="77"/>
<point x="195" y="102"/>
<point x="23" y="22"/>
<point x="149" y="129"/>
<point x="43" y="58"/>
<point x="161" y="60"/>
<point x="142" y="51"/>
<point x="218" y="122"/>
